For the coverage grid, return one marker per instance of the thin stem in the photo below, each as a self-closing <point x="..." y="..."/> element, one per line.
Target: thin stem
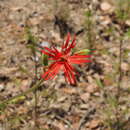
<point x="120" y="71"/>
<point x="35" y="107"/>
<point x="119" y="80"/>
<point x="35" y="92"/>
<point x="34" y="87"/>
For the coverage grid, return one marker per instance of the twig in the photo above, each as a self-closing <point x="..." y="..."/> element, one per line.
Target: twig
<point x="64" y="120"/>
<point x="85" y="118"/>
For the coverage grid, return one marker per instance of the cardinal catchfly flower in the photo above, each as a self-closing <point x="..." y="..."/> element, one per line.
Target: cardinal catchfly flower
<point x="63" y="60"/>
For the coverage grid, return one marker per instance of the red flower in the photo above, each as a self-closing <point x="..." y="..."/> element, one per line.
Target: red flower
<point x="63" y="60"/>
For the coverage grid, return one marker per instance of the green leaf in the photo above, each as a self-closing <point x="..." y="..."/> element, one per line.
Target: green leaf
<point x="128" y="33"/>
<point x="31" y="39"/>
<point x="44" y="59"/>
<point x="88" y="13"/>
<point x="2" y="107"/>
<point x="29" y="36"/>
<point x="84" y="52"/>
<point x="16" y="100"/>
<point x="99" y="83"/>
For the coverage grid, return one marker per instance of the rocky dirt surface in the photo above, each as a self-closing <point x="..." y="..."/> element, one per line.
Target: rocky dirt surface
<point x="92" y="103"/>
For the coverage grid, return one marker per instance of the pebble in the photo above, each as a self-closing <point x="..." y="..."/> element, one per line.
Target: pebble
<point x="85" y="97"/>
<point x="105" y="6"/>
<point x="129" y="54"/>
<point x="55" y="36"/>
<point x="125" y="67"/>
<point x="34" y="21"/>
<point x="84" y="106"/>
<point x="105" y="20"/>
<point x="92" y="88"/>
<point x="62" y="99"/>
<point x="128" y="22"/>
<point x="1" y="87"/>
<point x="94" y="123"/>
<point x="45" y="44"/>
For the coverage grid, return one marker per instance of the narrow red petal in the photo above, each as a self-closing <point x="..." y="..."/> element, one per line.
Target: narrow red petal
<point x="47" y="53"/>
<point x="69" y="48"/>
<point x="49" y="50"/>
<point x="56" y="51"/>
<point x="72" y="45"/>
<point x="67" y="76"/>
<point x="54" y="72"/>
<point x="49" y="70"/>
<point x="79" y="61"/>
<point x="70" y="73"/>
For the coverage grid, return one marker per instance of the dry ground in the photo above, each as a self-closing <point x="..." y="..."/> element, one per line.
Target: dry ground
<point x="92" y="103"/>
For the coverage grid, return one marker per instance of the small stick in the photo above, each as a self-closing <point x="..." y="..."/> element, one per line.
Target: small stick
<point x="85" y="118"/>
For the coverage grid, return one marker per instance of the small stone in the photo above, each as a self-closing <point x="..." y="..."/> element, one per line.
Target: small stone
<point x="69" y="90"/>
<point x="90" y="79"/>
<point x="94" y="123"/>
<point x="85" y="97"/>
<point x="1" y="87"/>
<point x="82" y="84"/>
<point x="45" y="44"/>
<point x="97" y="94"/>
<point x="84" y="106"/>
<point x="128" y="22"/>
<point x="92" y="88"/>
<point x="34" y="21"/>
<point x="55" y="36"/>
<point x="125" y="67"/>
<point x="17" y="8"/>
<point x="36" y="58"/>
<point x="105" y="6"/>
<point x="129" y="54"/>
<point x="62" y="99"/>
<point x="66" y="106"/>
<point x="114" y="51"/>
<point x="105" y="20"/>
<point x="24" y="85"/>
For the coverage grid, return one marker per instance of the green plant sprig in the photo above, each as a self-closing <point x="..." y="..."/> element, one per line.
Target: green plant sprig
<point x="32" y="89"/>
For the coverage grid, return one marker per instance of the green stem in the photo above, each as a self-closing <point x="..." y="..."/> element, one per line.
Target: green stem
<point x="35" y="92"/>
<point x="34" y="87"/>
